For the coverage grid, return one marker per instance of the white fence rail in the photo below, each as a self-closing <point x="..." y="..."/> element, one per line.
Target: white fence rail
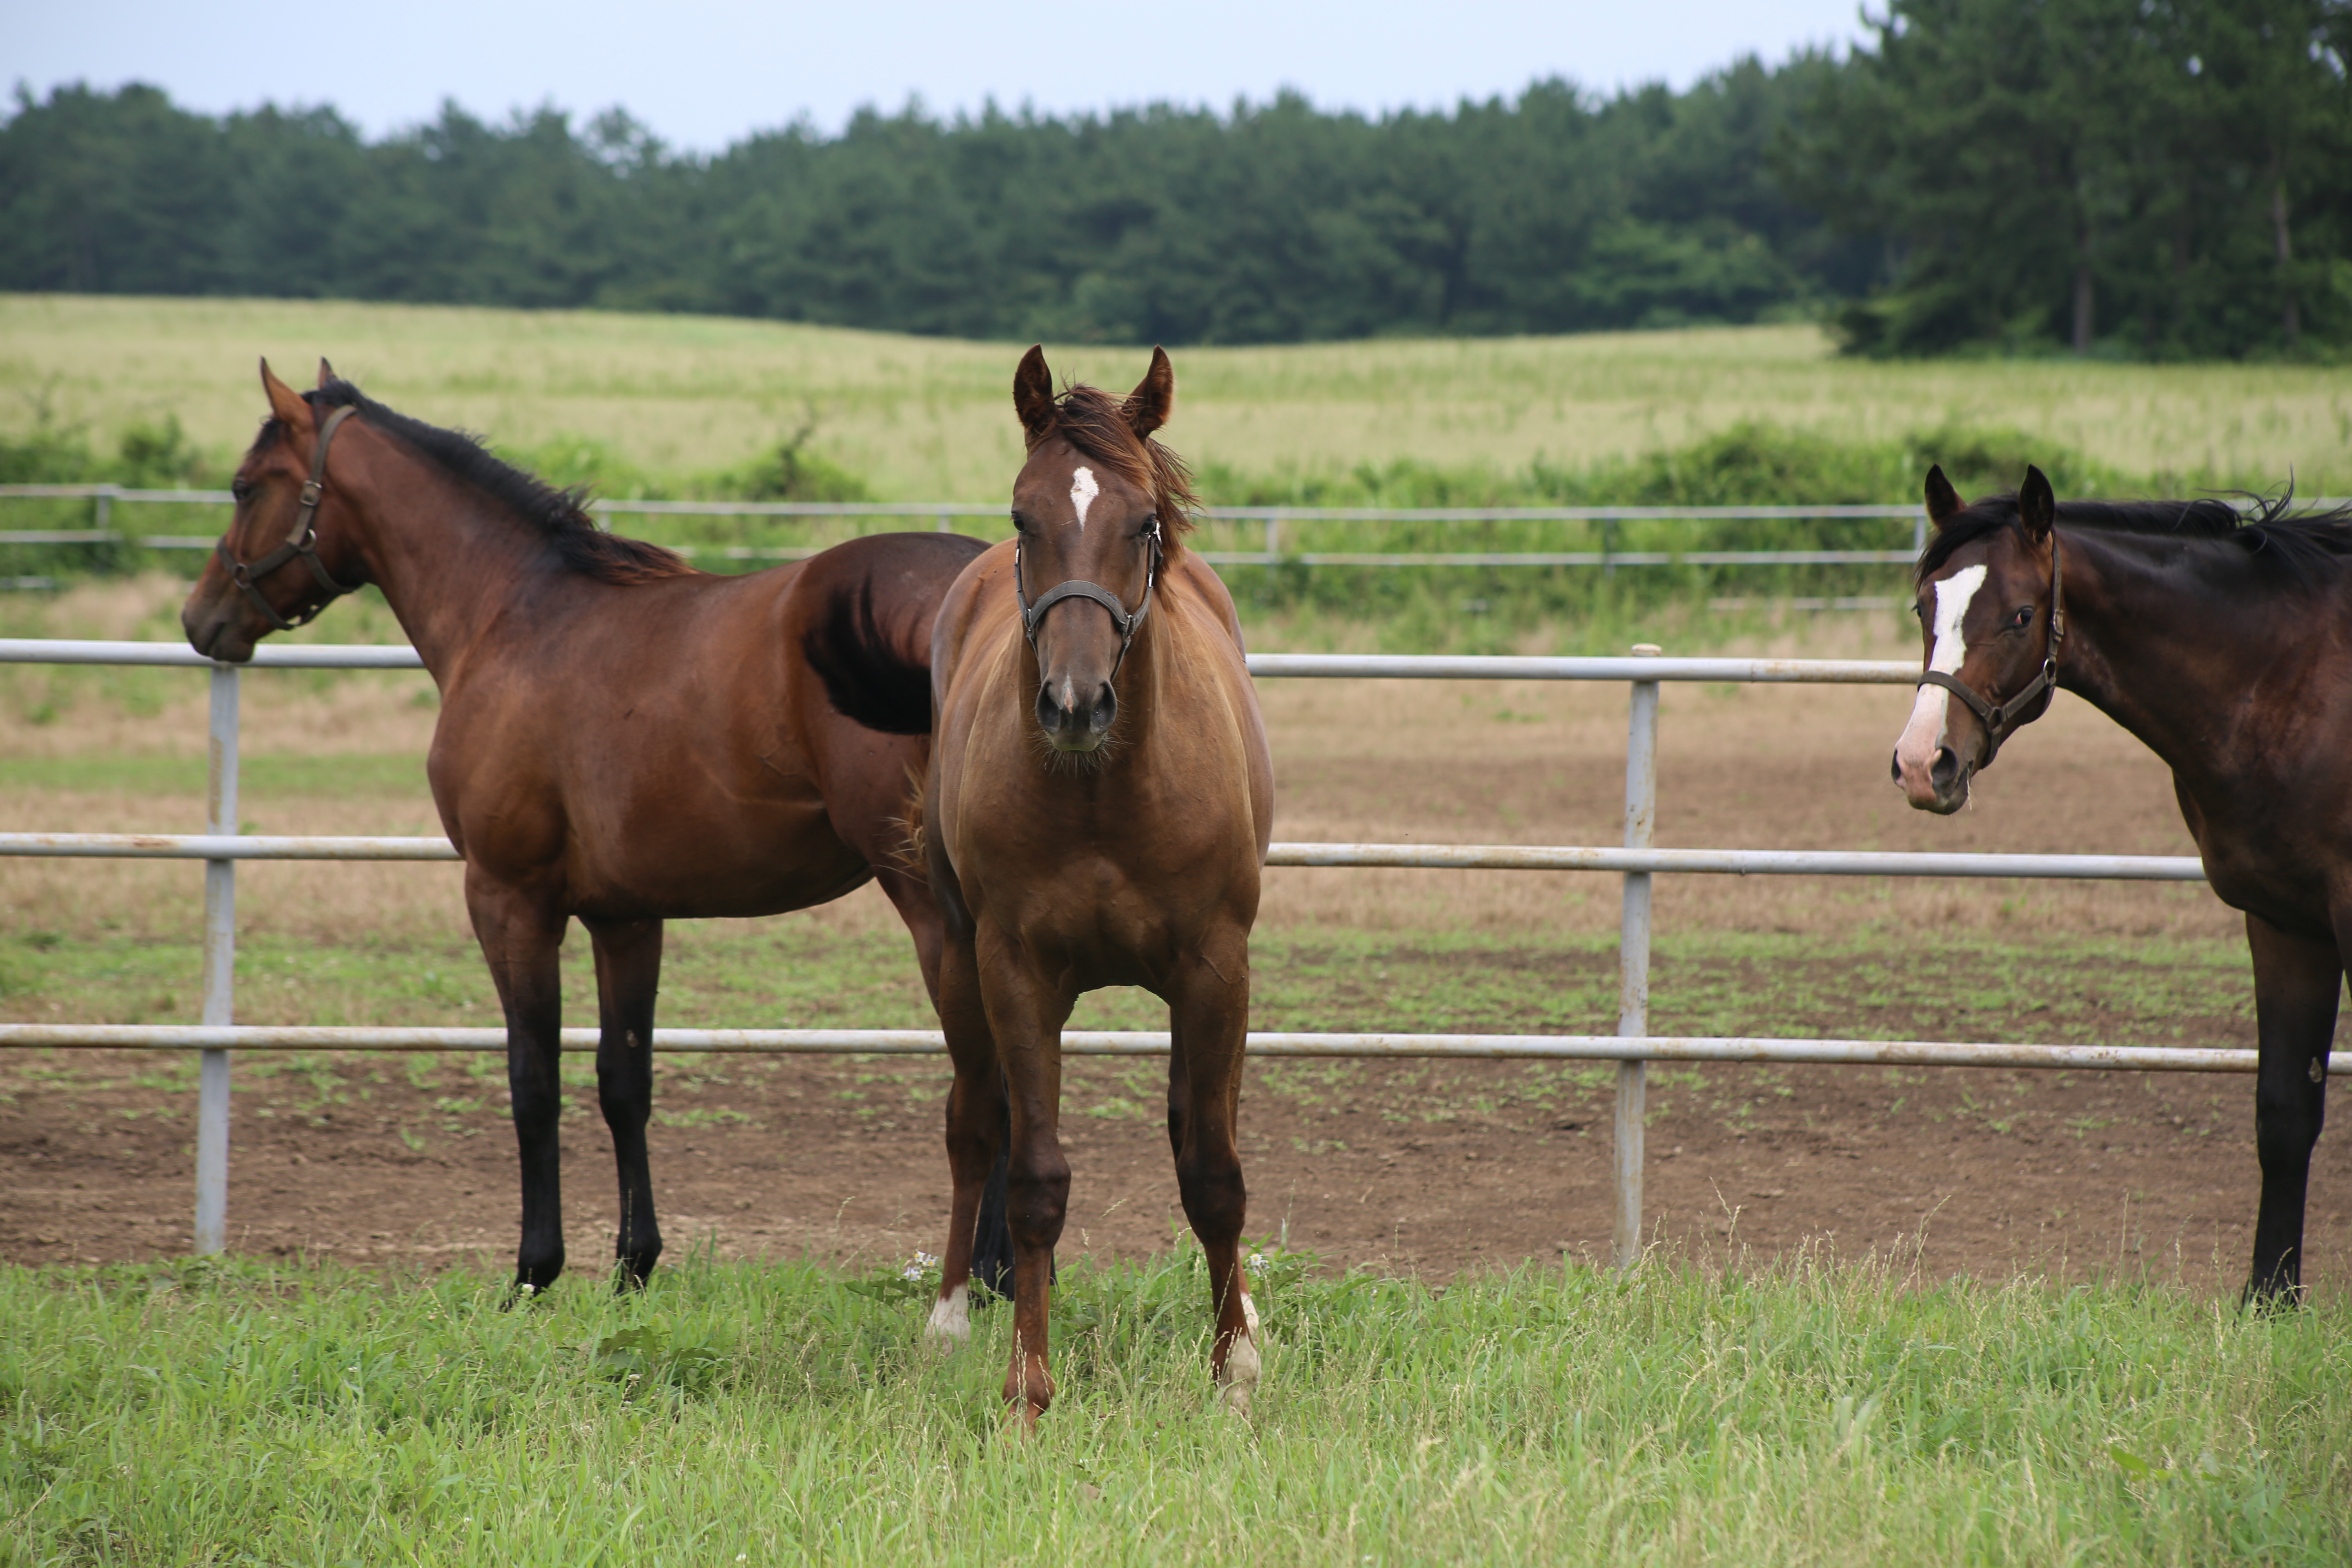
<point x="1637" y="860"/>
<point x="1273" y="520"/>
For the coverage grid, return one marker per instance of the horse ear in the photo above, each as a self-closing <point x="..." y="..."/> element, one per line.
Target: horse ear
<point x="2037" y="508"/>
<point x="1033" y="392"/>
<point x="1149" y="406"/>
<point x="326" y="372"/>
<point x="1943" y="500"/>
<point x="286" y="403"/>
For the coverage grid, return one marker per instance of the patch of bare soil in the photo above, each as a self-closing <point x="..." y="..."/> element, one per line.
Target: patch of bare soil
<point x="1423" y="1167"/>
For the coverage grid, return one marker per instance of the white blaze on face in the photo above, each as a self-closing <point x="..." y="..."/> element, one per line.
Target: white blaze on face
<point x="950" y="1318"/>
<point x="1083" y="490"/>
<point x="1923" y="737"/>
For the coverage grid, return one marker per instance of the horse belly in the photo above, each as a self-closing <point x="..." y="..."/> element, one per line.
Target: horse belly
<point x="679" y="864"/>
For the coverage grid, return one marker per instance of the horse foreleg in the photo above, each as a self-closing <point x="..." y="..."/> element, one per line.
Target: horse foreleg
<point x="2296" y="984"/>
<point x="628" y="975"/>
<point x="1025" y="1015"/>
<point x="519" y="940"/>
<point x="1209" y="1019"/>
<point x="975" y="1136"/>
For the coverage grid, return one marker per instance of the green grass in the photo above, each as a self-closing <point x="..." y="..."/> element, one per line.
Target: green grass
<point x="249" y="1411"/>
<point x="661" y="401"/>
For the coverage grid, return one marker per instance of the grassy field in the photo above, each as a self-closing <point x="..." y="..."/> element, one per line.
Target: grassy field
<point x="1814" y="1414"/>
<point x="675" y="397"/>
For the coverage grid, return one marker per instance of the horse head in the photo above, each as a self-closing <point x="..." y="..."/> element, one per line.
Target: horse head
<point x="1096" y="512"/>
<point x="1991" y="613"/>
<point x="274" y="569"/>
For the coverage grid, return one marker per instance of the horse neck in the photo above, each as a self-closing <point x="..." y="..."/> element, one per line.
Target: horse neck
<point x="446" y="557"/>
<point x="2162" y="646"/>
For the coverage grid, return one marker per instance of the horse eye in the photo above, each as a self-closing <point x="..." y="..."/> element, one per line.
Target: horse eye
<point x="242" y="489"/>
<point x="2023" y="617"/>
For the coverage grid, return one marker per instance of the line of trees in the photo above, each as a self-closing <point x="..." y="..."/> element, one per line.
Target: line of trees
<point x="2164" y="177"/>
<point x="2159" y="177"/>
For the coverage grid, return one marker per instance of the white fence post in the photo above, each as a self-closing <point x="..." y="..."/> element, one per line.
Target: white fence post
<point x="1273" y="537"/>
<point x="220" y="972"/>
<point x="1634" y="958"/>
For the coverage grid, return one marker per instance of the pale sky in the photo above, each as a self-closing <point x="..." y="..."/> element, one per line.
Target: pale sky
<point x="704" y="74"/>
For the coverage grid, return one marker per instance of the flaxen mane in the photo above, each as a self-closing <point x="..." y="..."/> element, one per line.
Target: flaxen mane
<point x="1094" y="422"/>
<point x="556" y="515"/>
<point x="2311" y="548"/>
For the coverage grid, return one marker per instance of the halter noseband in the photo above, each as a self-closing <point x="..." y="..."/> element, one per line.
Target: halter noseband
<point x="1033" y="615"/>
<point x="302" y="541"/>
<point x="2003" y="720"/>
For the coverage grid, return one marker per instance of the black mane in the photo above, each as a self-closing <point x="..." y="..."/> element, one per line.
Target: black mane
<point x="2309" y="547"/>
<point x="556" y="515"/>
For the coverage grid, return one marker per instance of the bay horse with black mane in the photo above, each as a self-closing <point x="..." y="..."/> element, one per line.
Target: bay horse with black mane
<point x="1097" y="811"/>
<point x="2225" y="644"/>
<point x="622" y="739"/>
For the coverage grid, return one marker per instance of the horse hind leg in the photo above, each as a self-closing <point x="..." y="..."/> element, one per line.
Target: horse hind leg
<point x="628" y="976"/>
<point x="518" y="939"/>
<point x="2297" y="983"/>
<point x="978" y="1243"/>
<point x="1209" y="1019"/>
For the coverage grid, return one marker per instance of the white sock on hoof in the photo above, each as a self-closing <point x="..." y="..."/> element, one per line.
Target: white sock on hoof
<point x="1249" y="1313"/>
<point x="1240" y="1375"/>
<point x="951" y="1322"/>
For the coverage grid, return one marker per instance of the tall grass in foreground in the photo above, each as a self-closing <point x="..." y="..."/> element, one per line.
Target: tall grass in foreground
<point x="1821" y="1413"/>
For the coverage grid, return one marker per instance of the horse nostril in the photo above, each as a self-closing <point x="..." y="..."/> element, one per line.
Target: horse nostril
<point x="1049" y="713"/>
<point x="1895" y="767"/>
<point x="1105" y="709"/>
<point x="1945" y="768"/>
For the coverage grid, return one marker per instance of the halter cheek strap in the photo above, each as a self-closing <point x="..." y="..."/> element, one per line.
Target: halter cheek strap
<point x="302" y="541"/>
<point x="2003" y="720"/>
<point x="1033" y="615"/>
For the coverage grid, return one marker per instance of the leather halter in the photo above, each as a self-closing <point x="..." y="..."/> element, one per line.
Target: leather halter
<point x="1033" y="615"/>
<point x="2003" y="720"/>
<point x="302" y="541"/>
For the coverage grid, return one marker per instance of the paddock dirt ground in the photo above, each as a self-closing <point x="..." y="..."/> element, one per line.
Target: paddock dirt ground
<point x="1431" y="1168"/>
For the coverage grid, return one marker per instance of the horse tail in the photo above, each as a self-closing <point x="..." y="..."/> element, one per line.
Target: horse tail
<point x="868" y="675"/>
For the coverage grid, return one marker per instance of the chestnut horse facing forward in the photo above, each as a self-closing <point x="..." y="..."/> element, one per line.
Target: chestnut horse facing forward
<point x="622" y="737"/>
<point x="2226" y="646"/>
<point x="1097" y="811"/>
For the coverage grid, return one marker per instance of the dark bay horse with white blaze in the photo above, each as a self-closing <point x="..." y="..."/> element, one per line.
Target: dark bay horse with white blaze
<point x="1098" y="808"/>
<point x="622" y="739"/>
<point x="2224" y="643"/>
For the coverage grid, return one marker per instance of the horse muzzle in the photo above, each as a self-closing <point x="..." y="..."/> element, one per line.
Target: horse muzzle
<point x="1076" y="721"/>
<point x="212" y="628"/>
<point x="1937" y="783"/>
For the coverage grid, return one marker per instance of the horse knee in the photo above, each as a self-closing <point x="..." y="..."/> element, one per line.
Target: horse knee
<point x="1037" y="1198"/>
<point x="1215" y="1199"/>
